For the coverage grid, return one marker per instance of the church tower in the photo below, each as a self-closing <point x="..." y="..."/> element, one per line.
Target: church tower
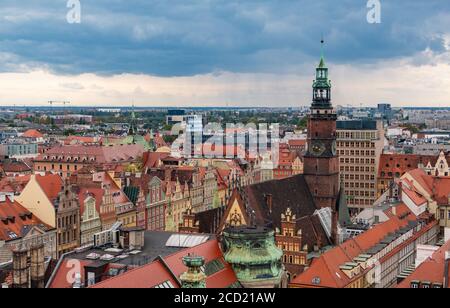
<point x="132" y="131"/>
<point x="321" y="165"/>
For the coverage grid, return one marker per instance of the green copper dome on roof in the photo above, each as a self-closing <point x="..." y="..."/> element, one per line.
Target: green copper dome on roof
<point x="253" y="255"/>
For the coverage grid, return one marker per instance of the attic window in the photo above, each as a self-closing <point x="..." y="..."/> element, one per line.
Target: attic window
<point x="165" y="285"/>
<point x="213" y="267"/>
<point x="12" y="235"/>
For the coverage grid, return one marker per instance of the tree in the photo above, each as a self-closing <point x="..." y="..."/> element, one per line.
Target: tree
<point x="302" y="123"/>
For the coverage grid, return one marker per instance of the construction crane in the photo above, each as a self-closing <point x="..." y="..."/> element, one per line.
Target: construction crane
<point x="58" y="102"/>
<point x="64" y="103"/>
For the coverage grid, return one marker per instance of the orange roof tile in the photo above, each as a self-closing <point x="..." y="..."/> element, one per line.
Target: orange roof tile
<point x="417" y="198"/>
<point x="62" y="280"/>
<point x="424" y="180"/>
<point x="326" y="267"/>
<point x="398" y="164"/>
<point x="16" y="221"/>
<point x="14" y="184"/>
<point x="431" y="270"/>
<point x="153" y="274"/>
<point x="297" y="142"/>
<point x="32" y="133"/>
<point x="51" y="184"/>
<point x="442" y="190"/>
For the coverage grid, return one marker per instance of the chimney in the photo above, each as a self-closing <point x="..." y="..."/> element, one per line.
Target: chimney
<point x="37" y="267"/>
<point x="20" y="269"/>
<point x="400" y="191"/>
<point x="269" y="202"/>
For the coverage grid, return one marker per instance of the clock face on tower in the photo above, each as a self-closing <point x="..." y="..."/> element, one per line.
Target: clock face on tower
<point x="334" y="148"/>
<point x="317" y="148"/>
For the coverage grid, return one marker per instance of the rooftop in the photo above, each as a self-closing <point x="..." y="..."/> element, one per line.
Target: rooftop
<point x="156" y="245"/>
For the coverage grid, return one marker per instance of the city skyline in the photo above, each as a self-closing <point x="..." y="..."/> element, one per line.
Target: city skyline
<point x="216" y="53"/>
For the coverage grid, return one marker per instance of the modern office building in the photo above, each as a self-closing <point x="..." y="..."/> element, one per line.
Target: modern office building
<point x="360" y="144"/>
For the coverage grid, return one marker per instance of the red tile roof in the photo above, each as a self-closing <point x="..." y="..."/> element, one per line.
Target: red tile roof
<point x="214" y="150"/>
<point x="96" y="193"/>
<point x="417" y="198"/>
<point x="401" y="210"/>
<point x="442" y="190"/>
<point x="32" y="133"/>
<point x="159" y="141"/>
<point x="64" y="276"/>
<point x="16" y="221"/>
<point x="327" y="266"/>
<point x="297" y="142"/>
<point x="437" y="187"/>
<point x="16" y="167"/>
<point x="151" y="275"/>
<point x="102" y="154"/>
<point x="51" y="184"/>
<point x="423" y="179"/>
<point x="401" y="163"/>
<point x="151" y="159"/>
<point x="14" y="184"/>
<point x="431" y="270"/>
<point x="72" y="140"/>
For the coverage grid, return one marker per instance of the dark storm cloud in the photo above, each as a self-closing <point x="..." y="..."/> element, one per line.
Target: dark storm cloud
<point x="188" y="37"/>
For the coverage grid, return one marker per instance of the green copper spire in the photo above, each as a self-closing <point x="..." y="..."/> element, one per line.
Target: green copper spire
<point x="322" y="58"/>
<point x="132" y="129"/>
<point x="322" y="85"/>
<point x="322" y="62"/>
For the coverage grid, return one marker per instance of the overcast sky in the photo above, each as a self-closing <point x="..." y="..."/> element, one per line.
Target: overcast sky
<point x="223" y="52"/>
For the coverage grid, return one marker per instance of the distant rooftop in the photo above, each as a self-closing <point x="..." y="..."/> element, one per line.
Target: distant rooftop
<point x="357" y="125"/>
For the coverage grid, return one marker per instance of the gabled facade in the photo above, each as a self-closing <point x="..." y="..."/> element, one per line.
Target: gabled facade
<point x="156" y="205"/>
<point x="294" y="253"/>
<point x="91" y="223"/>
<point x="68" y="219"/>
<point x="39" y="200"/>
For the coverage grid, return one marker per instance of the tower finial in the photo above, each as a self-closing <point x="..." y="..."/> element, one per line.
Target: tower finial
<point x="322" y="42"/>
<point x="322" y="58"/>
